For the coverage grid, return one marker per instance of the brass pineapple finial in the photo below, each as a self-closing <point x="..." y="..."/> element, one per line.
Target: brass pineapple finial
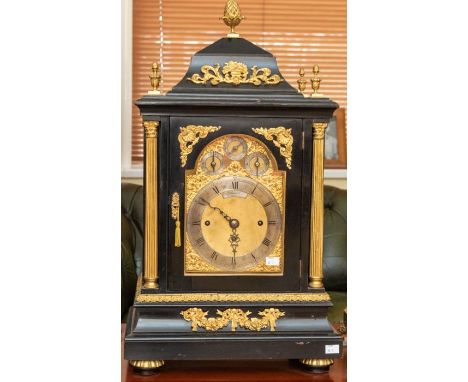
<point x="155" y="78"/>
<point x="232" y="17"/>
<point x="302" y="82"/>
<point x="315" y="81"/>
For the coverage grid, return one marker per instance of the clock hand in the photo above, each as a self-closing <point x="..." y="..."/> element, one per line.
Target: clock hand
<point x="233" y="223"/>
<point x="235" y="148"/>
<point x="234" y="236"/>
<point x="257" y="164"/>
<point x="234" y="240"/>
<point x="213" y="163"/>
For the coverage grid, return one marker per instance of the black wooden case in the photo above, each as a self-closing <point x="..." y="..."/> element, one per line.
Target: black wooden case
<point x="155" y="327"/>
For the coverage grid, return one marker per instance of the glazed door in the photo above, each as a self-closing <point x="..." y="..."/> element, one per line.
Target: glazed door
<point x="240" y="150"/>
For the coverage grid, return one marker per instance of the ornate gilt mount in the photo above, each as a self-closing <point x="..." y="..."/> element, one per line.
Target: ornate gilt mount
<point x="151" y="128"/>
<point x="189" y="137"/>
<point x="235" y="73"/>
<point x="175" y="206"/>
<point x="235" y="317"/>
<point x="319" y="130"/>
<point x="176" y="298"/>
<point x="281" y="138"/>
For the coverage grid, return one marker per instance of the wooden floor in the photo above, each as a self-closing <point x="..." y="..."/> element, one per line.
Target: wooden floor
<point x="233" y="371"/>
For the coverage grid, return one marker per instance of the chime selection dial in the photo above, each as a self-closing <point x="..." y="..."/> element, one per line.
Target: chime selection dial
<point x="257" y="164"/>
<point x="235" y="148"/>
<point x="212" y="163"/>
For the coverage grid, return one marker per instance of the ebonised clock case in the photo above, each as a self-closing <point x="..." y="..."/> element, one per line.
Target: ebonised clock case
<point x="156" y="330"/>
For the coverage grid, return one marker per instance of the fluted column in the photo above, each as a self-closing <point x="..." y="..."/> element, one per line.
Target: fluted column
<point x="316" y="227"/>
<point x="150" y="274"/>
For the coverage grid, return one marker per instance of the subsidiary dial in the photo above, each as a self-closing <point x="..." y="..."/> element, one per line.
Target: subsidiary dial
<point x="212" y="163"/>
<point x="257" y="164"/>
<point x="235" y="148"/>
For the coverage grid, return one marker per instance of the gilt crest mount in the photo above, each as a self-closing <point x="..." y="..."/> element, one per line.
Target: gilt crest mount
<point x="234" y="73"/>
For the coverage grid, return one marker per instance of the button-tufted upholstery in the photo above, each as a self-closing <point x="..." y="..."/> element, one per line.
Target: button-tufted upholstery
<point x="334" y="250"/>
<point x="334" y="255"/>
<point x="132" y="218"/>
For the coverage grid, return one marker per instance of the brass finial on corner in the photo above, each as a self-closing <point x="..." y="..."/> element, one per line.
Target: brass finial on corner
<point x="232" y="17"/>
<point x="302" y="82"/>
<point x="315" y="82"/>
<point x="155" y="78"/>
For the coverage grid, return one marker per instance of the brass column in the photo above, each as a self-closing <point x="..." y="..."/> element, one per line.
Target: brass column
<point x="150" y="275"/>
<point x="316" y="227"/>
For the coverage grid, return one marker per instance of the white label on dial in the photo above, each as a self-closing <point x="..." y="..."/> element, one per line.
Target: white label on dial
<point x="332" y="349"/>
<point x="272" y="261"/>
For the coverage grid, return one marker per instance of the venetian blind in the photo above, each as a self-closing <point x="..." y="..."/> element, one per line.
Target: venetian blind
<point x="300" y="33"/>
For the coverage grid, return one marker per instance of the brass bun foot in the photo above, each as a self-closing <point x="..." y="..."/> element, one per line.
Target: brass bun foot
<point x="316" y="365"/>
<point x="147" y="367"/>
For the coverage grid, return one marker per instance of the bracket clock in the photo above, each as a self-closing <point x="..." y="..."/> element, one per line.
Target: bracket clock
<point x="233" y="237"/>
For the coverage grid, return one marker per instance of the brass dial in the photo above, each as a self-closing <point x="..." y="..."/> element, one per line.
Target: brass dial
<point x="212" y="163"/>
<point x="235" y="148"/>
<point x="257" y="163"/>
<point x="234" y="223"/>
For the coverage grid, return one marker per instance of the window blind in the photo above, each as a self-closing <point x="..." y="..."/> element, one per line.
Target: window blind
<point x="146" y="46"/>
<point x="300" y="33"/>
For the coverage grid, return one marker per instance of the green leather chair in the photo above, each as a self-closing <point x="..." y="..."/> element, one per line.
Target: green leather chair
<point x="334" y="252"/>
<point x="334" y="256"/>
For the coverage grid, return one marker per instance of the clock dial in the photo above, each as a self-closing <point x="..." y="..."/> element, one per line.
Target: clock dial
<point x="235" y="148"/>
<point x="257" y="164"/>
<point x="234" y="223"/>
<point x="212" y="163"/>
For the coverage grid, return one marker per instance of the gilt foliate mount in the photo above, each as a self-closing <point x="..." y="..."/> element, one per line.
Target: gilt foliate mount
<point x="235" y="73"/>
<point x="281" y="138"/>
<point x="235" y="317"/>
<point x="189" y="137"/>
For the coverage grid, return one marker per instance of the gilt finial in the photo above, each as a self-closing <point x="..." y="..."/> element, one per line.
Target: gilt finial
<point x="232" y="17"/>
<point x="315" y="81"/>
<point x="155" y="78"/>
<point x="301" y="82"/>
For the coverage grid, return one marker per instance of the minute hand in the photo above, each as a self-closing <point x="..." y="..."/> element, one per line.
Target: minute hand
<point x="233" y="223"/>
<point x="224" y="215"/>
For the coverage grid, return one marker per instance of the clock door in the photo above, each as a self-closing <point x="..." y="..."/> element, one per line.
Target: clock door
<point x="235" y="195"/>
